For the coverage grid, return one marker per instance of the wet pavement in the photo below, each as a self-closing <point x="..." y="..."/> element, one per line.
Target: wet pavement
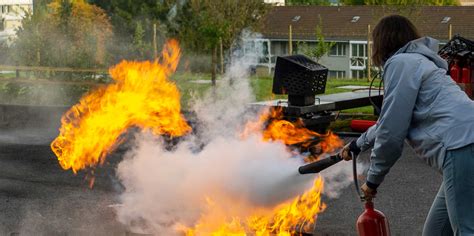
<point x="404" y="197"/>
<point x="38" y="198"/>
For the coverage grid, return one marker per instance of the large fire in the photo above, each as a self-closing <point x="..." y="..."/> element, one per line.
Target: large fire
<point x="142" y="96"/>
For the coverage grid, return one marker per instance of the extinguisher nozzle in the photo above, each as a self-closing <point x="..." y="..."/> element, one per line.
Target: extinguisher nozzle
<point x="318" y="166"/>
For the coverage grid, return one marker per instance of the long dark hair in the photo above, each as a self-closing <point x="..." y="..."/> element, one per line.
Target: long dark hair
<point x="390" y="34"/>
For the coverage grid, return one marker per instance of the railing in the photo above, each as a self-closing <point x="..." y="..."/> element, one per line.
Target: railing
<point x="53" y="70"/>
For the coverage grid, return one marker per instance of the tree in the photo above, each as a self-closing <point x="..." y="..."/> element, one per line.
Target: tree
<point x="131" y="17"/>
<point x="85" y="27"/>
<point x="68" y="33"/>
<point x="321" y="48"/>
<point x="200" y="25"/>
<point x="204" y="23"/>
<point x="31" y="43"/>
<point x="138" y="40"/>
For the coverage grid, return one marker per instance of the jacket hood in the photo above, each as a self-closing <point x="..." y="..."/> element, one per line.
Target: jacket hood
<point x="427" y="47"/>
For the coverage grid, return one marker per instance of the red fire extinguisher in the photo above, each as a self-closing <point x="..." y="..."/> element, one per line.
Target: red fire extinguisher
<point x="466" y="78"/>
<point x="466" y="74"/>
<point x="455" y="72"/>
<point x="372" y="222"/>
<point x="472" y="77"/>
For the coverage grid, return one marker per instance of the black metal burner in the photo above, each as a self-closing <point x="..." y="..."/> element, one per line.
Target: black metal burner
<point x="299" y="77"/>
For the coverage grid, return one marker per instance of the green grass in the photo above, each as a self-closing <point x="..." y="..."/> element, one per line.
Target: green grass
<point x="187" y="83"/>
<point x="7" y="75"/>
<point x="333" y="84"/>
<point x="263" y="87"/>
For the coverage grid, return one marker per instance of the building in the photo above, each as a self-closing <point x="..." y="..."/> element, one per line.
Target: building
<point x="467" y="2"/>
<point x="348" y="27"/>
<point x="275" y="2"/>
<point x="11" y="14"/>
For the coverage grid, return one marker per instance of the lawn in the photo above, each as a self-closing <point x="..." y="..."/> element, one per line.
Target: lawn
<point x="190" y="85"/>
<point x="262" y="87"/>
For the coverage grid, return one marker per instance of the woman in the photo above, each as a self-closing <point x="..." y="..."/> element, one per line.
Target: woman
<point x="423" y="105"/>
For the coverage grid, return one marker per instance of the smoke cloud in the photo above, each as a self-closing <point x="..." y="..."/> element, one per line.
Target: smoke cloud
<point x="164" y="188"/>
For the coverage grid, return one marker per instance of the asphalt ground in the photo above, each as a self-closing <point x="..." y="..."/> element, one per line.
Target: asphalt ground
<point x="38" y="198"/>
<point x="405" y="198"/>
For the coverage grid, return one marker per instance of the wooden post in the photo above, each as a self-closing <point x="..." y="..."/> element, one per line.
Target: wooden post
<point x="369" y="52"/>
<point x="214" y="65"/>
<point x="221" y="55"/>
<point x="290" y="41"/>
<point x="450" y="32"/>
<point x="269" y="57"/>
<point x="155" y="47"/>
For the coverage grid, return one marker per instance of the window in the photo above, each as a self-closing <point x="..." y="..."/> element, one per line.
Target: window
<point x="359" y="50"/>
<point x="264" y="56"/>
<point x="358" y="74"/>
<point x="339" y="49"/>
<point x="5" y="9"/>
<point x="358" y="56"/>
<point x="358" y="62"/>
<point x="337" y="74"/>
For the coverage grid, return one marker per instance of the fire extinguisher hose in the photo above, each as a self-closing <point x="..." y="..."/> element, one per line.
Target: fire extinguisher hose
<point x="356" y="179"/>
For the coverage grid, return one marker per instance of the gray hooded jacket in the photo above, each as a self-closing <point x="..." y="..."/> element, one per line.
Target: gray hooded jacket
<point x="421" y="104"/>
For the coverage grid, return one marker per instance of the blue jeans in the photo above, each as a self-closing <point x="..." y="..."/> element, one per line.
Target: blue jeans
<point x="452" y="212"/>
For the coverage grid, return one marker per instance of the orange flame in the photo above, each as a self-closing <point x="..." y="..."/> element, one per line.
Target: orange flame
<point x="290" y="133"/>
<point x="141" y="96"/>
<point x="290" y="218"/>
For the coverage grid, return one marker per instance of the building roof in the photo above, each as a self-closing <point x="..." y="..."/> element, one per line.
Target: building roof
<point x="16" y="2"/>
<point x="351" y="22"/>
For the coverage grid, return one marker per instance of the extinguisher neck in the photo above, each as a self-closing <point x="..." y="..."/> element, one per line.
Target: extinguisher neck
<point x="369" y="205"/>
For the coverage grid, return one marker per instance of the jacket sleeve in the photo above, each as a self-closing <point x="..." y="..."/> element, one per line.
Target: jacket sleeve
<point x="367" y="139"/>
<point x="402" y="79"/>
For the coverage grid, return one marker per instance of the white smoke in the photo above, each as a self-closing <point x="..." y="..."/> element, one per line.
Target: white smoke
<point x="224" y="109"/>
<point x="166" y="188"/>
<point x="340" y="177"/>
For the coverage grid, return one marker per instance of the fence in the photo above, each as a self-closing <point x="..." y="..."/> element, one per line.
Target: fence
<point x="91" y="75"/>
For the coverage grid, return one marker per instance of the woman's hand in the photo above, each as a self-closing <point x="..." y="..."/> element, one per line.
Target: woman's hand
<point x="346" y="151"/>
<point x="368" y="192"/>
